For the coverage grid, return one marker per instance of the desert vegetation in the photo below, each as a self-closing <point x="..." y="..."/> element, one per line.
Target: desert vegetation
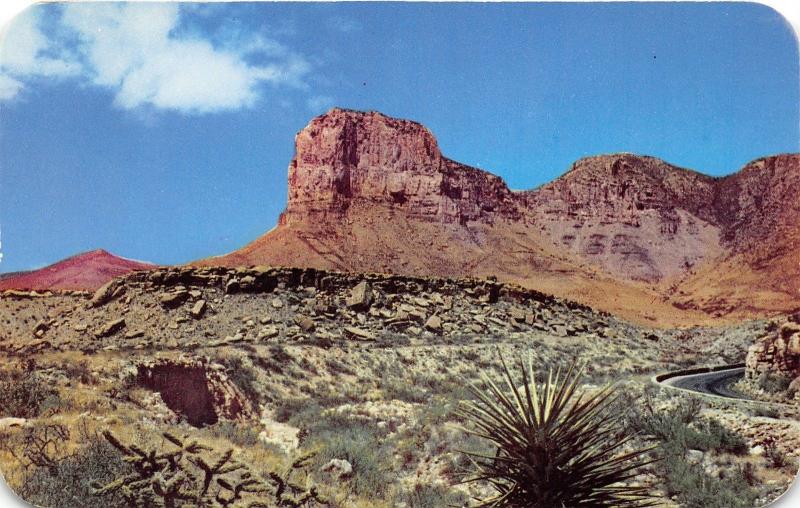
<point x="371" y="395"/>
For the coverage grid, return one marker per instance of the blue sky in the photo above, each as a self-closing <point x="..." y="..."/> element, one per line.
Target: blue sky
<point x="163" y="132"/>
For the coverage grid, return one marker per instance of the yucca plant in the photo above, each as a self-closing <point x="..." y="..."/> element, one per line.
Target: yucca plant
<point x="555" y="447"/>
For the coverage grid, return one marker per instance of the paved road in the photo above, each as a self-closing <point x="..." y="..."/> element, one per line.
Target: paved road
<point x="714" y="383"/>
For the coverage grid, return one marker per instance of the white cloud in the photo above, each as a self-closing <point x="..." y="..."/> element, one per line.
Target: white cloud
<point x="25" y="50"/>
<point x="343" y="24"/>
<point x="319" y="103"/>
<point x="139" y="53"/>
<point x="9" y="87"/>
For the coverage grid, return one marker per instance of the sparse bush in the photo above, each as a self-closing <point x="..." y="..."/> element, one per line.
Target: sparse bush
<point x="776" y="457"/>
<point x="336" y="366"/>
<point x="340" y="437"/>
<point x="554" y="447"/>
<point x="677" y="430"/>
<point x="244" y="377"/>
<point x="694" y="488"/>
<point x="23" y="394"/>
<point x="399" y="389"/>
<point x="430" y="496"/>
<point x="78" y="370"/>
<point x="67" y="484"/>
<point x="679" y="427"/>
<point x="773" y="383"/>
<point x="276" y="360"/>
<point x="236" y="432"/>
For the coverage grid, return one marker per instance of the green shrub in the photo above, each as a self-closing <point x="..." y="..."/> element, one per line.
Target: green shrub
<point x="339" y="437"/>
<point x="554" y="446"/>
<point x="773" y="383"/>
<point x="23" y="394"/>
<point x="680" y="427"/>
<point x="430" y="496"/>
<point x="67" y="484"/>
<point x="237" y="433"/>
<point x="677" y="431"/>
<point x="692" y="487"/>
<point x="244" y="377"/>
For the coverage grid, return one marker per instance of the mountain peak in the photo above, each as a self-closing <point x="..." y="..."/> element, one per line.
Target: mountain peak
<point x="85" y="271"/>
<point x="347" y="158"/>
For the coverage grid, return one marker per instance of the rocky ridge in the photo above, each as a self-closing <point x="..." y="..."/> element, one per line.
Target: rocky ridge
<point x="368" y="192"/>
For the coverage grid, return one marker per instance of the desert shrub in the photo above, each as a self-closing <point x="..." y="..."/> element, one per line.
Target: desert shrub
<point x="554" y="446"/>
<point x="67" y="483"/>
<point x="773" y="383"/>
<point x="276" y="360"/>
<point x="678" y="430"/>
<point x="712" y="435"/>
<point x="430" y="496"/>
<point x="400" y="389"/>
<point x="79" y="370"/>
<point x="236" y="432"/>
<point x="23" y="394"/>
<point x="692" y="487"/>
<point x="244" y="377"/>
<point x="336" y="366"/>
<point x="680" y="427"/>
<point x="340" y="437"/>
<point x="774" y="455"/>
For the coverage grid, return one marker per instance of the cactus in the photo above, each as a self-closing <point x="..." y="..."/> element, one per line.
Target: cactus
<point x="191" y="474"/>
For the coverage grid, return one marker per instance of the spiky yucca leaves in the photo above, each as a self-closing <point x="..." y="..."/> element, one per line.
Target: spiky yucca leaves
<point x="556" y="448"/>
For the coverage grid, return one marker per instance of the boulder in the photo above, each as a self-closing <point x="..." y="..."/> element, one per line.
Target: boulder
<point x="198" y="309"/>
<point x="339" y="468"/>
<point x="358" y="333"/>
<point x="434" y="324"/>
<point x="360" y="297"/>
<point x="305" y="323"/>
<point x="110" y="328"/>
<point x="104" y="293"/>
<point x="174" y="299"/>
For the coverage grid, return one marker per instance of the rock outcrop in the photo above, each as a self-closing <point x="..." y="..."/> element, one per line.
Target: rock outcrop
<point x="347" y="158"/>
<point x="195" y="389"/>
<point x="777" y="353"/>
<point x="370" y="193"/>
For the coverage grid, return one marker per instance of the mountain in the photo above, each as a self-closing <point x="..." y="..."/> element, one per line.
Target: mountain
<point x="87" y="271"/>
<point x="629" y="234"/>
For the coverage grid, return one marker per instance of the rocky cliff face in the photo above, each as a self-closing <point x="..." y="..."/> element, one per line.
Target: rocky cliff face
<point x="372" y="193"/>
<point x="777" y="353"/>
<point x="347" y="158"/>
<point x="636" y="217"/>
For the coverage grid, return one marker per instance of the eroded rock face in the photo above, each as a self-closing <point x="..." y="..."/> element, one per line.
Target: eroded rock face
<point x="632" y="215"/>
<point x="636" y="217"/>
<point x="348" y="156"/>
<point x="777" y="353"/>
<point x="370" y="193"/>
<point x="195" y="389"/>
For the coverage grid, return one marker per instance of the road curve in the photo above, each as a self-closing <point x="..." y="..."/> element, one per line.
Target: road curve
<point x="710" y="383"/>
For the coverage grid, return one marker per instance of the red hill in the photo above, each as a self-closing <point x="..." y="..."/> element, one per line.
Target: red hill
<point x="87" y="271"/>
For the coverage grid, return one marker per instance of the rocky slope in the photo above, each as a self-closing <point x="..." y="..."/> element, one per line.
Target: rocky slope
<point x="86" y="271"/>
<point x="629" y="234"/>
<point x="274" y="363"/>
